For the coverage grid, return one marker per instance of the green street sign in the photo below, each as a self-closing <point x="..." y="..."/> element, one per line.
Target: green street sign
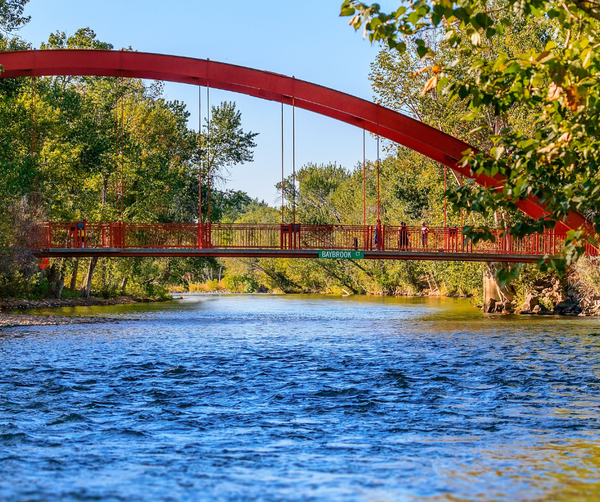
<point x="342" y="255"/>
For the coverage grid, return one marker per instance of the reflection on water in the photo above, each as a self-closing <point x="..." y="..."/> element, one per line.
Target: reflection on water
<point x="239" y="397"/>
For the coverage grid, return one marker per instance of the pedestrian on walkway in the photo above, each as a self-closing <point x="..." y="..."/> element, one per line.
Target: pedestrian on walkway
<point x="403" y="236"/>
<point x="424" y="234"/>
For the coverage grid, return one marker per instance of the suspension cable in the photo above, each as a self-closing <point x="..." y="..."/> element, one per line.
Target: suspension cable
<point x="122" y="149"/>
<point x="208" y="152"/>
<point x="445" y="198"/>
<point x="294" y="156"/>
<point x="282" y="170"/>
<point x="199" y="157"/>
<point x="364" y="179"/>
<point x="378" y="205"/>
<point x="117" y="198"/>
<point x="34" y="118"/>
<point x="34" y="134"/>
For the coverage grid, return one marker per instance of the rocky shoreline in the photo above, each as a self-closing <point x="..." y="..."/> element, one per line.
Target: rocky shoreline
<point x="20" y="304"/>
<point x="10" y="319"/>
<point x="13" y="320"/>
<point x="550" y="297"/>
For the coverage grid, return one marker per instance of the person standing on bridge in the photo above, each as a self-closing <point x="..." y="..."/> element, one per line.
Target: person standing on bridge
<point x="424" y="234"/>
<point x="403" y="236"/>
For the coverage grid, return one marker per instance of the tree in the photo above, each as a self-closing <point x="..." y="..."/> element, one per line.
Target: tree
<point x="316" y="194"/>
<point x="102" y="148"/>
<point x="225" y="142"/>
<point x="556" y="161"/>
<point x="11" y="15"/>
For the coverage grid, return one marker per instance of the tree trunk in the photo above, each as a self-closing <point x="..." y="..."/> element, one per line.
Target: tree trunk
<point x="56" y="279"/>
<point x="51" y="275"/>
<point x="506" y="293"/>
<point x="88" y="280"/>
<point x="73" y="285"/>
<point x="103" y="275"/>
<point x="60" y="286"/>
<point x="54" y="276"/>
<point x="123" y="286"/>
<point x="167" y="273"/>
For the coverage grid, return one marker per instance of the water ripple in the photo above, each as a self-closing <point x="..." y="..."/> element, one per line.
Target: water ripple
<point x="301" y="398"/>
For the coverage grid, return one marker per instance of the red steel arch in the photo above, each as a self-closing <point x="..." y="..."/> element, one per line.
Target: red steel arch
<point x="379" y="120"/>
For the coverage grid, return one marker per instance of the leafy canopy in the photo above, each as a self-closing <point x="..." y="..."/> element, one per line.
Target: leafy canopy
<point x="11" y="15"/>
<point x="555" y="157"/>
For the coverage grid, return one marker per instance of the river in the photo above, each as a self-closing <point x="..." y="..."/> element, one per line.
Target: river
<point x="258" y="397"/>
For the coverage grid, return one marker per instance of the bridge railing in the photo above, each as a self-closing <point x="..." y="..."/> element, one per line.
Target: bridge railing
<point x="164" y="235"/>
<point x="356" y="237"/>
<point x="245" y="236"/>
<point x="451" y="239"/>
<point x="287" y="236"/>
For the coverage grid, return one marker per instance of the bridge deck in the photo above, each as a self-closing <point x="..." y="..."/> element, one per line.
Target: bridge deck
<point x="440" y="255"/>
<point x="285" y="241"/>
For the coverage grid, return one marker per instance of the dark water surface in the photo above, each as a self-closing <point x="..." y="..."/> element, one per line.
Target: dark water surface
<point x="301" y="398"/>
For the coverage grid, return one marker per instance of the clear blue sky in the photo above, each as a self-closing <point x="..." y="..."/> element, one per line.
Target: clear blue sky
<point x="306" y="39"/>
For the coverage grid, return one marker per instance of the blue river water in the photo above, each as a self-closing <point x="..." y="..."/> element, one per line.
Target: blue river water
<point x="305" y="398"/>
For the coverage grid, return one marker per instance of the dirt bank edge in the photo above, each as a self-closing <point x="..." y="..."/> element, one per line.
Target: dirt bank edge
<point x="8" y="318"/>
<point x="13" y="320"/>
<point x="11" y="304"/>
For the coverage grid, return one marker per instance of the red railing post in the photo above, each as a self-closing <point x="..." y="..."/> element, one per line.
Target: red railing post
<point x="118" y="235"/>
<point x="207" y="242"/>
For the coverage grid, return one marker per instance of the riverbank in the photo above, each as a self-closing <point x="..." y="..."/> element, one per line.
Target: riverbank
<point x="11" y="304"/>
<point x="12" y="320"/>
<point x="8" y="317"/>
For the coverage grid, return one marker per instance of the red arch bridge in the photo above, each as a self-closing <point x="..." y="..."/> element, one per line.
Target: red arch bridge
<point x="286" y="240"/>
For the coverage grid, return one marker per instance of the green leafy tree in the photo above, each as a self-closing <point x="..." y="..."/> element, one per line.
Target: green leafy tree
<point x="11" y="15"/>
<point x="552" y="157"/>
<point x="225" y="142"/>
<point x="102" y="148"/>
<point x="316" y="193"/>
